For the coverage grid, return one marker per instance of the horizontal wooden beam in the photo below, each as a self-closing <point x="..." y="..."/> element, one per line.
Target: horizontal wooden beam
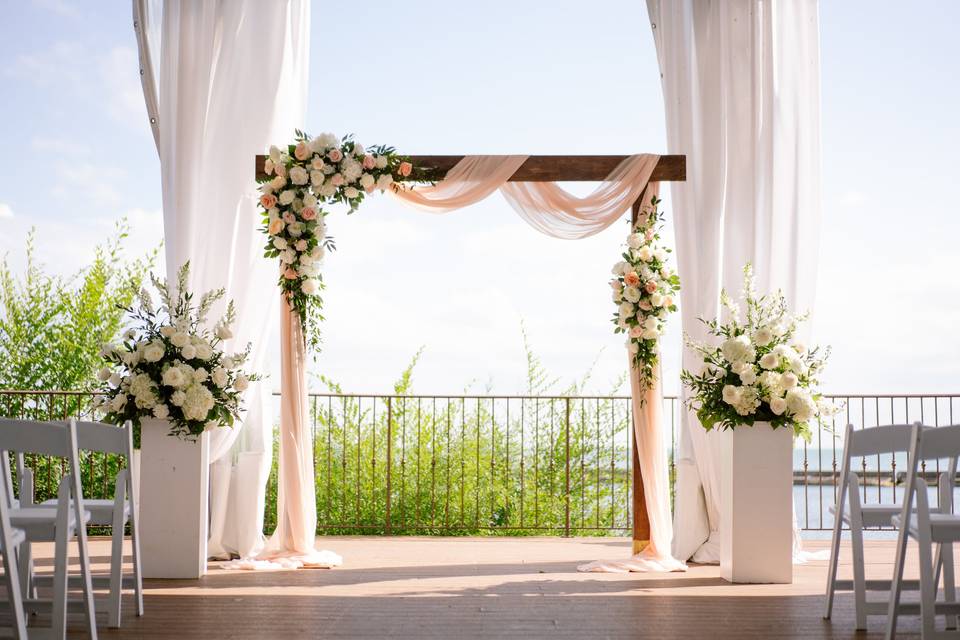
<point x="545" y="168"/>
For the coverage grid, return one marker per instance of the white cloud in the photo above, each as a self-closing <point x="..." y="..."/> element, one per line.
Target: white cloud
<point x="87" y="181"/>
<point x="60" y="146"/>
<point x="5" y="211"/>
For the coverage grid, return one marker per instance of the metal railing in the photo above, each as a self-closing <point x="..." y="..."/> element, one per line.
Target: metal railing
<point x="517" y="465"/>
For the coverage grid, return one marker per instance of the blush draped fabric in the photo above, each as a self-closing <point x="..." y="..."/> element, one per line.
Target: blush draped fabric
<point x="543" y="205"/>
<point x="741" y="89"/>
<point x="551" y="210"/>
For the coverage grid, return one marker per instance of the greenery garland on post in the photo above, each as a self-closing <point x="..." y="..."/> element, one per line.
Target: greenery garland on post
<point x="301" y="179"/>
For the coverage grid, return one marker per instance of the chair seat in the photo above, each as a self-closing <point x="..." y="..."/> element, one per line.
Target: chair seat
<point x="944" y="527"/>
<point x="39" y="523"/>
<point x="101" y="511"/>
<point x="874" y="515"/>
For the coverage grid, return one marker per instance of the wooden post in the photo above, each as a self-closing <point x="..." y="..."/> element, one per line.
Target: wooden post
<point x="641" y="520"/>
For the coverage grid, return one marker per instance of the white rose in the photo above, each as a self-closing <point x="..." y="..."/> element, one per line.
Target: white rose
<point x="189" y="352"/>
<point x="800" y="405"/>
<point x="161" y="411"/>
<point x="173" y="377"/>
<point x="115" y="379"/>
<point x="798" y="366"/>
<point x="763" y="336"/>
<point x="656" y="300"/>
<point x="730" y="394"/>
<point x="154" y="352"/>
<point x="204" y="351"/>
<point x="177" y="398"/>
<point x="200" y="374"/>
<point x="626" y="309"/>
<point x="380" y="162"/>
<point x="660" y="254"/>
<point x="104" y="374"/>
<point x="789" y="380"/>
<point x="617" y="295"/>
<point x="316" y="179"/>
<point x="295" y="229"/>
<point x="166" y="331"/>
<point x="241" y="383"/>
<point x="219" y="377"/>
<point x="286" y="197"/>
<point x="351" y="193"/>
<point x="737" y="349"/>
<point x="650" y="334"/>
<point x="279" y="244"/>
<point x="770" y="361"/>
<point x="748" y="375"/>
<point x="118" y="403"/>
<point x="224" y="333"/>
<point x="180" y="339"/>
<point x="384" y="181"/>
<point x="367" y="181"/>
<point x="327" y="190"/>
<point x="632" y="294"/>
<point x="309" y="287"/>
<point x="288" y="257"/>
<point x="778" y="405"/>
<point x="279" y="182"/>
<point x="651" y="323"/>
<point x="317" y="253"/>
<point x="644" y="254"/>
<point x="635" y="240"/>
<point x="299" y="175"/>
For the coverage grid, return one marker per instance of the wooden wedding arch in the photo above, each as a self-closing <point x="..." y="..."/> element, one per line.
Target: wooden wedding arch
<point x="565" y="169"/>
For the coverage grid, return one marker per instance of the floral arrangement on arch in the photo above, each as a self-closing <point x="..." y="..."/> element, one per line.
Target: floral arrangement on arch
<point x="759" y="372"/>
<point x="644" y="287"/>
<point x="302" y="179"/>
<point x="170" y="366"/>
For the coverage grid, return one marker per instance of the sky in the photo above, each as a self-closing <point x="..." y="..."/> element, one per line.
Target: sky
<point x="507" y="77"/>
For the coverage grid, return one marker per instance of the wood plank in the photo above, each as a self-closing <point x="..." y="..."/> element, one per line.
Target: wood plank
<point x="423" y="587"/>
<point x="591" y="168"/>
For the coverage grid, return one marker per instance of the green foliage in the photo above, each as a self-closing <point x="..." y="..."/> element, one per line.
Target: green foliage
<point x="51" y="327"/>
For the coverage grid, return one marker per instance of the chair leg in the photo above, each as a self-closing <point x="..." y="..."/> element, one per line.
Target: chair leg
<point x="834" y="565"/>
<point x="949" y="581"/>
<point x="88" y="604"/>
<point x="859" y="576"/>
<point x="25" y="568"/>
<point x="116" y="567"/>
<point x="58" y="624"/>
<point x="928" y="591"/>
<point x="896" y="584"/>
<point x="135" y="544"/>
<point x="14" y="595"/>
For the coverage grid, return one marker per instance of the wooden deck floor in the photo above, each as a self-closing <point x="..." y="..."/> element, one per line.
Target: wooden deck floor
<point x="490" y="588"/>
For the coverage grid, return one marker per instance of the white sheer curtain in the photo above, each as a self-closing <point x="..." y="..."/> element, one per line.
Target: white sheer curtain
<point x="741" y="84"/>
<point x="222" y="80"/>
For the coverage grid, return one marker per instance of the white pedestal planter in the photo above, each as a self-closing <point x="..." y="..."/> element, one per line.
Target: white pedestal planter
<point x="756" y="519"/>
<point x="174" y="482"/>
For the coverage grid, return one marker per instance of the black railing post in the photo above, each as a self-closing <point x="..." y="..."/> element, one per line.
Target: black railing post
<point x="389" y="459"/>
<point x="566" y="525"/>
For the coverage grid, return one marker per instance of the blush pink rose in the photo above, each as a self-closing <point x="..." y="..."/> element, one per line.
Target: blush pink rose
<point x="615" y="285"/>
<point x="288" y="217"/>
<point x="369" y="162"/>
<point x="636" y="332"/>
<point x="275" y="227"/>
<point x="290" y="274"/>
<point x="631" y="278"/>
<point x="335" y="155"/>
<point x="301" y="245"/>
<point x="649" y="235"/>
<point x="645" y="305"/>
<point x="651" y="286"/>
<point x="280" y="170"/>
<point x="302" y="151"/>
<point x="405" y="169"/>
<point x="268" y="200"/>
<point x="336" y="180"/>
<point x="308" y="213"/>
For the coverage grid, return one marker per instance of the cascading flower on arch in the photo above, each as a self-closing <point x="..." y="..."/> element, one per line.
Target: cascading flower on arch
<point x="301" y="179"/>
<point x="644" y="290"/>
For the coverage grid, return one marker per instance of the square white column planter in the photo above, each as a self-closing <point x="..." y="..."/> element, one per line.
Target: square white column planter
<point x="756" y="503"/>
<point x="174" y="483"/>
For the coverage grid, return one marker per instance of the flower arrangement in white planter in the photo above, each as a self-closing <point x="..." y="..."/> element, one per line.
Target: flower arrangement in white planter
<point x="759" y="372"/>
<point x="644" y="289"/>
<point x="171" y="366"/>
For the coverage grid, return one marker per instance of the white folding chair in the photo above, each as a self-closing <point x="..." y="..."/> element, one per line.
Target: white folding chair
<point x="59" y="523"/>
<point x="10" y="541"/>
<point x="929" y="526"/>
<point x="115" y="513"/>
<point x="853" y="511"/>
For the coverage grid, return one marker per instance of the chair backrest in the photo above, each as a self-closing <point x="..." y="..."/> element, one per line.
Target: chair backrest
<point x="43" y="438"/>
<point x="893" y="438"/>
<point x="940" y="442"/>
<point x="103" y="437"/>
